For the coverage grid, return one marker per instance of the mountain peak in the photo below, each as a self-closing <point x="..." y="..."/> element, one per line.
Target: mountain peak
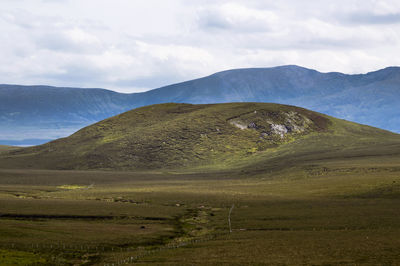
<point x="264" y="69"/>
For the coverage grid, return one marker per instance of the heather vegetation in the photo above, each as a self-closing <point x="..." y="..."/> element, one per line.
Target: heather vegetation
<point x="307" y="189"/>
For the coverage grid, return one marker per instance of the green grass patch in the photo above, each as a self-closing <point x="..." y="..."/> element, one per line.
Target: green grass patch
<point x="71" y="187"/>
<point x="13" y="257"/>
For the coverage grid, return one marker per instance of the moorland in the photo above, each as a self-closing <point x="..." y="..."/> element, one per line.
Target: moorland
<point x="225" y="184"/>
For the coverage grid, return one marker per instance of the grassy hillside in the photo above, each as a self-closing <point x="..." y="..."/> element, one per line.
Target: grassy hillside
<point x="7" y="148"/>
<point x="325" y="192"/>
<point x="213" y="136"/>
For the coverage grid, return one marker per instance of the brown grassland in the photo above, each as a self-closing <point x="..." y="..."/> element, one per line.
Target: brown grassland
<point x="325" y="198"/>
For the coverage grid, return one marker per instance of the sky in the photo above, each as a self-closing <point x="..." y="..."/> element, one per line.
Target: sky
<point x="137" y="45"/>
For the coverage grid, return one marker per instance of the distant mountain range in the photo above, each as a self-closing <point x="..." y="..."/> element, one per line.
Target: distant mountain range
<point x="36" y="114"/>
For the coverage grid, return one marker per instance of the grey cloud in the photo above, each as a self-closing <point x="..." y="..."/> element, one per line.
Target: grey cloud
<point x="369" y="18"/>
<point x="58" y="41"/>
<point x="214" y="18"/>
<point x="131" y="52"/>
<point x="19" y="18"/>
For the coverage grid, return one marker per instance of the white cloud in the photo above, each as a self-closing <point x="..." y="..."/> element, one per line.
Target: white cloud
<point x="137" y="45"/>
<point x="236" y="17"/>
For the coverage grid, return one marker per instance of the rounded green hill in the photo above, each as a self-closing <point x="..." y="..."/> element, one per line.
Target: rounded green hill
<point x="180" y="136"/>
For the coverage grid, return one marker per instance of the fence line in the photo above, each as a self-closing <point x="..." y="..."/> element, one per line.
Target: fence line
<point x="88" y="248"/>
<point x="132" y="259"/>
<point x="124" y="260"/>
<point x="63" y="247"/>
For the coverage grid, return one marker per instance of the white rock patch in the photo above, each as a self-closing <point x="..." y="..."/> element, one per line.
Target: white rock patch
<point x="238" y="124"/>
<point x="280" y="130"/>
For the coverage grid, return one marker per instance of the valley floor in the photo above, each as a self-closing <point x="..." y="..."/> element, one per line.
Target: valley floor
<point x="327" y="213"/>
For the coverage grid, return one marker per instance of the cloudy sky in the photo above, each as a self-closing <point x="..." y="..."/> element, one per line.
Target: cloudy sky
<point x="136" y="45"/>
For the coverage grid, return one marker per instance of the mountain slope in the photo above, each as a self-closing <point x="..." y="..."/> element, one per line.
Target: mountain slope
<point x="7" y="148"/>
<point x="41" y="112"/>
<point x="192" y="136"/>
<point x="370" y="98"/>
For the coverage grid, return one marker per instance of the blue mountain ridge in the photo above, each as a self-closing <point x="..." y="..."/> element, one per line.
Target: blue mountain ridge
<point x="43" y="112"/>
